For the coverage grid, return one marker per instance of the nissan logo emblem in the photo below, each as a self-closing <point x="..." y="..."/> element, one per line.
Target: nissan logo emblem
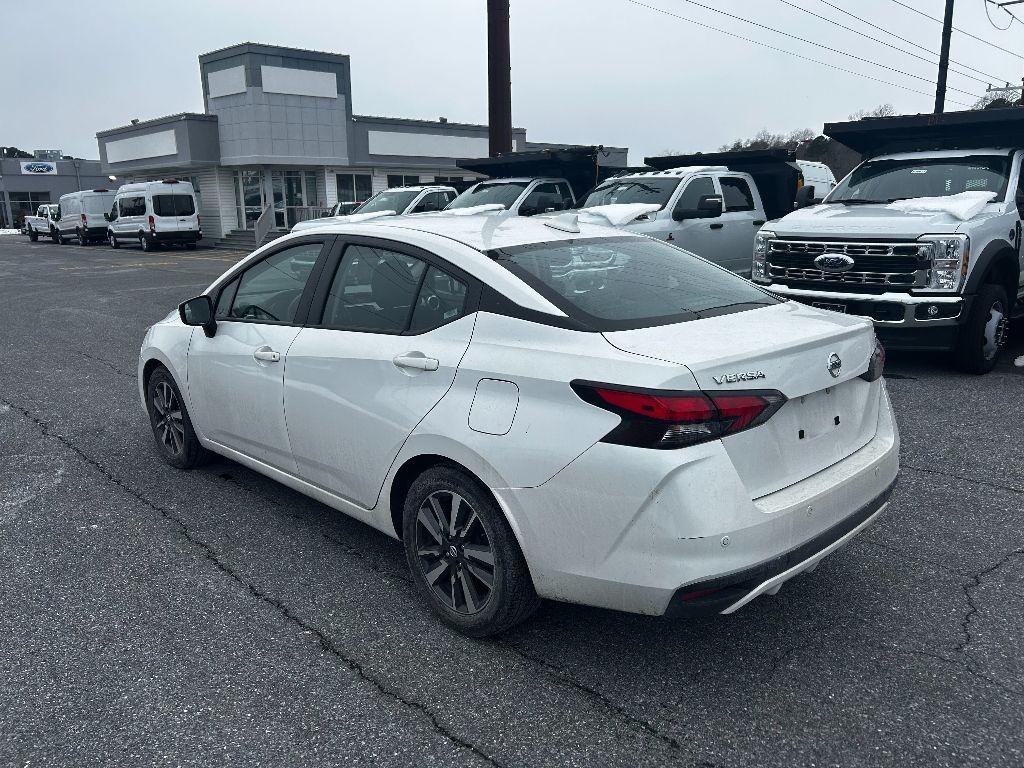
<point x="835" y="365"/>
<point x="833" y="262"/>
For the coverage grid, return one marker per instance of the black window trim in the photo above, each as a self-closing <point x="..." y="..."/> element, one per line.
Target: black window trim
<point x="328" y="244"/>
<point x="600" y="325"/>
<point x="330" y="267"/>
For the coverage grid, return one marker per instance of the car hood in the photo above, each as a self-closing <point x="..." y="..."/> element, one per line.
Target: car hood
<point x="879" y="221"/>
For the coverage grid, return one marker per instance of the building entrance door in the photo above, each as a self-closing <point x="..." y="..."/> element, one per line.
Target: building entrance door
<point x="250" y="197"/>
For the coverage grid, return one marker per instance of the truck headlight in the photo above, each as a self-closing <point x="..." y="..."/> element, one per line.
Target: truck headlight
<point x="949" y="255"/>
<point x="759" y="268"/>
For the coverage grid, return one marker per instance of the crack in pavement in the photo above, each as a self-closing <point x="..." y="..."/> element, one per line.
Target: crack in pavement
<point x="107" y="363"/>
<point x="998" y="486"/>
<point x="969" y="588"/>
<point x="326" y="643"/>
<point x="571" y="681"/>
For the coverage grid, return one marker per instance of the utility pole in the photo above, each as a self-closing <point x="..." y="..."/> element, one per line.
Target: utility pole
<point x="940" y="86"/>
<point x="499" y="78"/>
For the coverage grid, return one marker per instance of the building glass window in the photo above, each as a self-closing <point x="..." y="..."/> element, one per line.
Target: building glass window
<point x="354" y="187"/>
<point x="25" y="204"/>
<point x="400" y="180"/>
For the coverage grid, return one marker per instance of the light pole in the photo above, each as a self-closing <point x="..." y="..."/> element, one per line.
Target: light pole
<point x="499" y="78"/>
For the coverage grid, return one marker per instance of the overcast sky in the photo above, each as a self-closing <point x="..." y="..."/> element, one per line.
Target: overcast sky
<point x="583" y="71"/>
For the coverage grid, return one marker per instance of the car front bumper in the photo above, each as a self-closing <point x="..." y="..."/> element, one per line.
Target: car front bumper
<point x="638" y="530"/>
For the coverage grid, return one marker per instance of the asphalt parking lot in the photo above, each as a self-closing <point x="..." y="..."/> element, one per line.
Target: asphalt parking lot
<point x="154" y="617"/>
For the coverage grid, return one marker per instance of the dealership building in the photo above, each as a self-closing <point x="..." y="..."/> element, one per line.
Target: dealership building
<point x="27" y="183"/>
<point x="279" y="131"/>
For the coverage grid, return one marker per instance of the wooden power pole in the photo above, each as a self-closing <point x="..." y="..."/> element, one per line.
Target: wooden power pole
<point x="499" y="78"/>
<point x="947" y="31"/>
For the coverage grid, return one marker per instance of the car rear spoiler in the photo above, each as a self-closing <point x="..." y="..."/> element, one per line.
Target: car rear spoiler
<point x="913" y="133"/>
<point x="775" y="172"/>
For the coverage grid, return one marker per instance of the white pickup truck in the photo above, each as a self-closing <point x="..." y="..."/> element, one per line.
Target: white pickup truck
<point x="924" y="237"/>
<point x="41" y="223"/>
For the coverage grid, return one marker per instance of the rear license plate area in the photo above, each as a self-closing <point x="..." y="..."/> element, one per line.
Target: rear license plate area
<point x="820" y="413"/>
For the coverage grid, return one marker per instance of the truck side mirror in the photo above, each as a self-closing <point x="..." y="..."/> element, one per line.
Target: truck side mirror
<point x="708" y="207"/>
<point x="106" y="217"/>
<point x="805" y="197"/>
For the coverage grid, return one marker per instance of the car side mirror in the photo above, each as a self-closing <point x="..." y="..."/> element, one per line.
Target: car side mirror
<point x="106" y="217"/>
<point x="708" y="207"/>
<point x="805" y="197"/>
<point x="199" y="312"/>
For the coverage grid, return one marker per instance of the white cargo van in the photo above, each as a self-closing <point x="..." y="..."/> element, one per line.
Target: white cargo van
<point x="80" y="215"/>
<point x="154" y="213"/>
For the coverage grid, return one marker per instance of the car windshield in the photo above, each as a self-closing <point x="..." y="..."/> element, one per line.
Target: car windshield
<point x="885" y="181"/>
<point x="652" y="191"/>
<point x="388" y="200"/>
<point x="629" y="282"/>
<point x="488" y="193"/>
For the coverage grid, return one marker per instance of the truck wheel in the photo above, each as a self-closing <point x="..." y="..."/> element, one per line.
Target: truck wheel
<point x="983" y="335"/>
<point x="32" y="234"/>
<point x="144" y="243"/>
<point x="53" y="234"/>
<point x="113" y="241"/>
<point x="60" y="238"/>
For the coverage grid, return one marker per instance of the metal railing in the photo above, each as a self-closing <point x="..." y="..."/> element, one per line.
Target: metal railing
<point x="297" y="213"/>
<point x="263" y="224"/>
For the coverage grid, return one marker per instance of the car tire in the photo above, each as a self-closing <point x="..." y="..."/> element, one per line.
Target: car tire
<point x="144" y="243"/>
<point x="983" y="336"/>
<point x="32" y="235"/>
<point x="82" y="239"/>
<point x="175" y="438"/>
<point x="113" y="241"/>
<point x="60" y="238"/>
<point x="471" y="572"/>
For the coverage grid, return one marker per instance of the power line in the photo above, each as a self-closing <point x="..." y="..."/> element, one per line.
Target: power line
<point x="875" y="39"/>
<point x="991" y="77"/>
<point x="962" y="32"/>
<point x="820" y="45"/>
<point x="783" y="50"/>
<point x="1001" y="7"/>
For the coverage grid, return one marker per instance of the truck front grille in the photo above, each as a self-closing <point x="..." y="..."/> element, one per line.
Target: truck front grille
<point x="899" y="265"/>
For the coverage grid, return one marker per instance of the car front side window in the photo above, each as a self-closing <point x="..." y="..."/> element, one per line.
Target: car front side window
<point x="270" y="290"/>
<point x="373" y="290"/>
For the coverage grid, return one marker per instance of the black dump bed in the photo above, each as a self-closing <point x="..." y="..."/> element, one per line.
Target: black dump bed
<point x="918" y="133"/>
<point x="582" y="167"/>
<point x="774" y="170"/>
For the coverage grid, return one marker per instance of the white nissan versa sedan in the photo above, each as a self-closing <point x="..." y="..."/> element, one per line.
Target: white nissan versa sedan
<point x="537" y="409"/>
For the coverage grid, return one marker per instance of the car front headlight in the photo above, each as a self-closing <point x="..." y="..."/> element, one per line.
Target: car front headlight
<point x="949" y="256"/>
<point x="759" y="268"/>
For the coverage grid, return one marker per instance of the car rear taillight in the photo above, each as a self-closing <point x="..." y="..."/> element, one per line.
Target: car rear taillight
<point x="85" y="221"/>
<point x="664" y="420"/>
<point x="876" y="364"/>
<point x="152" y="224"/>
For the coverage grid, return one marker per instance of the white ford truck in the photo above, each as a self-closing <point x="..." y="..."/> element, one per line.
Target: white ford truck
<point x="924" y="237"/>
<point x="41" y="223"/>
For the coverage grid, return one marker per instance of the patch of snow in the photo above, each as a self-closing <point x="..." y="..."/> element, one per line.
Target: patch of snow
<point x="964" y="206"/>
<point x="485" y="208"/>
<point x="618" y="214"/>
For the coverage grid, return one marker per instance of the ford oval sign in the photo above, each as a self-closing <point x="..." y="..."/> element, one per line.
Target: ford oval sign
<point x="833" y="262"/>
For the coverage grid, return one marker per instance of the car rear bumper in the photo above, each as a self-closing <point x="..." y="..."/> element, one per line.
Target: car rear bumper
<point x="902" y="320"/>
<point x="621" y="528"/>
<point x="186" y="236"/>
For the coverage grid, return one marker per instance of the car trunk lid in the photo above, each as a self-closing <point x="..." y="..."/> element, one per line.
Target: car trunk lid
<point x="815" y="358"/>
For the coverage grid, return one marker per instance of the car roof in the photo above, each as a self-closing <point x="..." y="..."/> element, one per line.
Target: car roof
<point x="417" y="188"/>
<point x="480" y="231"/>
<point x="942" y="153"/>
<point x="519" y="179"/>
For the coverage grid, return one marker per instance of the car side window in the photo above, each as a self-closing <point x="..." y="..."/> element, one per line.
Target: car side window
<point x="373" y="290"/>
<point x="227" y="293"/>
<point x="566" y="195"/>
<point x="269" y="291"/>
<point x="736" y="194"/>
<point x="442" y="299"/>
<point x="693" y="192"/>
<point x="113" y="211"/>
<point x="432" y="201"/>
<point x="544" y="198"/>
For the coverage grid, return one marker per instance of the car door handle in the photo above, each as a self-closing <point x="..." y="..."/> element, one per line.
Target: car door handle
<point x="266" y="355"/>
<point x="717" y="226"/>
<point x="416" y="362"/>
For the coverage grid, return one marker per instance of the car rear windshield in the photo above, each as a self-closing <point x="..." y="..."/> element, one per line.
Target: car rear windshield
<point x="173" y="205"/>
<point x="619" y="283"/>
<point x="99" y="203"/>
<point x="501" y="192"/>
<point x="651" y="191"/>
<point x="388" y="201"/>
<point x="884" y="181"/>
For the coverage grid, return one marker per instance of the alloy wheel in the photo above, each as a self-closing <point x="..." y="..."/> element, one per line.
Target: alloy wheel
<point x="995" y="331"/>
<point x="455" y="552"/>
<point x="167" y="420"/>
